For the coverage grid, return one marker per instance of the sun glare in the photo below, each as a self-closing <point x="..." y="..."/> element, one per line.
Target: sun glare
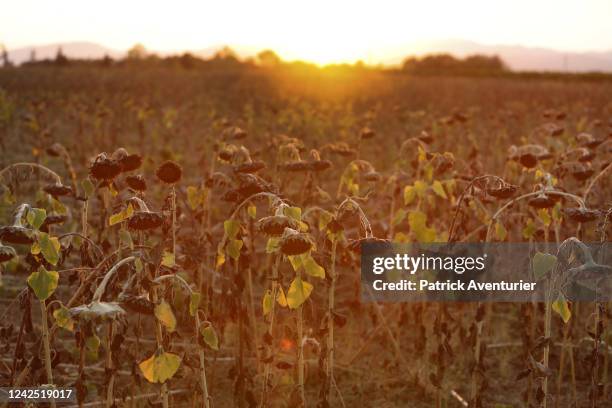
<point x="317" y="31"/>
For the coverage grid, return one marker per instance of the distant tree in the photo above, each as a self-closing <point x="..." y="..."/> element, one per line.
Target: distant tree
<point x="446" y="64"/>
<point x="226" y="53"/>
<point x="188" y="61"/>
<point x="60" y="58"/>
<point x="6" y="62"/>
<point x="268" y="58"/>
<point x="33" y="55"/>
<point x="137" y="52"/>
<point x="107" y="61"/>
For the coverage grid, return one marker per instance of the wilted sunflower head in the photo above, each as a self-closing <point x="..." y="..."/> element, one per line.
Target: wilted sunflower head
<point x="234" y="132"/>
<point x="97" y="311"/>
<point x="136" y="182"/>
<point x="295" y="243"/>
<point x="53" y="219"/>
<point x="145" y="220"/>
<point x="57" y="190"/>
<point x="17" y="234"/>
<point x="130" y="162"/>
<point x="581" y="214"/>
<point x="6" y="252"/>
<point x="552" y="129"/>
<point x="372" y="176"/>
<point x="502" y="191"/>
<point x="295" y="166"/>
<point x="528" y="155"/>
<point x="119" y="154"/>
<point x="319" y="165"/>
<point x="169" y="172"/>
<point x="250" y="167"/>
<point x="275" y="225"/>
<point x="366" y="133"/>
<point x="582" y="171"/>
<point x="443" y="162"/>
<point x="138" y="304"/>
<point x="542" y="201"/>
<point x="588" y="140"/>
<point x="104" y="168"/>
<point x="56" y="150"/>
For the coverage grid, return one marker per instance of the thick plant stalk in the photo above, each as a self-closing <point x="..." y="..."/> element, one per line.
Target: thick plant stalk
<point x="109" y="366"/>
<point x="564" y="351"/>
<point x="547" y="330"/>
<point x="84" y="217"/>
<point x="330" y="319"/>
<point x="198" y="324"/>
<point x="46" y="346"/>
<point x="595" y="362"/>
<point x="160" y="339"/>
<point x="81" y="364"/>
<point x="475" y="394"/>
<point x="203" y="384"/>
<point x="264" y="392"/>
<point x="300" y="348"/>
<point x="173" y="221"/>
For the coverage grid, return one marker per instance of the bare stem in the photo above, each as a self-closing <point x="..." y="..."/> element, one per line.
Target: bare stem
<point x="46" y="345"/>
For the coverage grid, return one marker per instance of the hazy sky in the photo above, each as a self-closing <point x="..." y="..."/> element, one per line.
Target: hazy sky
<point x="317" y="30"/>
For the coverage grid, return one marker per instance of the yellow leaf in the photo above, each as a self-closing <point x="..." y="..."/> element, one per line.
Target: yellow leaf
<point x="272" y="245"/>
<point x="252" y="211"/>
<point x="63" y="319"/>
<point x="160" y="367"/>
<point x="562" y="308"/>
<point x="220" y="257"/>
<point x="233" y="248"/>
<point x="311" y="266"/>
<point x="281" y="298"/>
<point x="324" y="219"/>
<point x="293" y="212"/>
<point x="399" y="217"/>
<point x="49" y="247"/>
<point x="529" y="229"/>
<point x="418" y="225"/>
<point x="298" y="292"/>
<point x="439" y="189"/>
<point x="194" y="302"/>
<point x="544" y="216"/>
<point x="422" y="154"/>
<point x="296" y="261"/>
<point x="231" y="228"/>
<point x="43" y="282"/>
<point x="195" y="197"/>
<point x="267" y="302"/>
<point x="420" y="187"/>
<point x="121" y="215"/>
<point x="36" y="217"/>
<point x="409" y="195"/>
<point x="168" y="259"/>
<point x="164" y="314"/>
<point x="92" y="344"/>
<point x="210" y="337"/>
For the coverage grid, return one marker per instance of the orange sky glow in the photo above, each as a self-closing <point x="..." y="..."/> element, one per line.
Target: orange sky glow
<point x="317" y="31"/>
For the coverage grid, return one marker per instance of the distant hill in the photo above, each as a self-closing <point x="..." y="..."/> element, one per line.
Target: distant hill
<point x="76" y="50"/>
<point x="518" y="58"/>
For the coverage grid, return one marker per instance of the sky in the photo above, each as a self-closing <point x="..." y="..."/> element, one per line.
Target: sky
<point x="320" y="31"/>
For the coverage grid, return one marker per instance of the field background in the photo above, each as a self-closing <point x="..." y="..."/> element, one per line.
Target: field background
<point x="385" y="355"/>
